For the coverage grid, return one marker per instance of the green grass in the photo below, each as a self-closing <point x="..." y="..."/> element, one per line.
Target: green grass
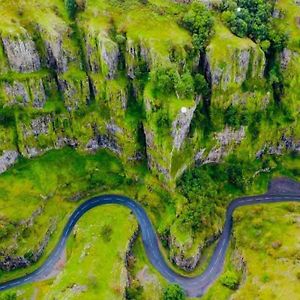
<point x="57" y="179"/>
<point x="96" y="263"/>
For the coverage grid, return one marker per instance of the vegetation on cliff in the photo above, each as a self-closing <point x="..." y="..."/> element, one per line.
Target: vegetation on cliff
<point x="195" y="103"/>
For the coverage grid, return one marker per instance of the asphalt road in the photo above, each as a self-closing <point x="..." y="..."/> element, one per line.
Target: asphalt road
<point x="195" y="286"/>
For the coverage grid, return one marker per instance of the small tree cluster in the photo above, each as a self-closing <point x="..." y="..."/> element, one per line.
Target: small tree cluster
<point x="253" y="18"/>
<point x="167" y="80"/>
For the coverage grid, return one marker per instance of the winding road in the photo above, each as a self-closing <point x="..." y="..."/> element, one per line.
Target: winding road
<point x="195" y="286"/>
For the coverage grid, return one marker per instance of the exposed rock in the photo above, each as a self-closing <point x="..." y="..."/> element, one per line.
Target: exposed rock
<point x="110" y="55"/>
<point x="277" y="13"/>
<point x="25" y="92"/>
<point x="57" y="57"/>
<point x="38" y="94"/>
<point x="215" y="155"/>
<point x="104" y="141"/>
<point x="229" y="135"/>
<point x="7" y="159"/>
<point x="199" y="155"/>
<point x="40" y="125"/>
<point x="131" y="57"/>
<point x="153" y="164"/>
<point x="239" y="62"/>
<point x="22" y="54"/>
<point x="112" y="128"/>
<point x="76" y="92"/>
<point x="181" y="125"/>
<point x="16" y="93"/>
<point x="285" y="58"/>
<point x="65" y="141"/>
<point x="32" y="151"/>
<point x="12" y="263"/>
<point x="227" y="139"/>
<point x="78" y="288"/>
<point x="286" y="143"/>
<point x="189" y="263"/>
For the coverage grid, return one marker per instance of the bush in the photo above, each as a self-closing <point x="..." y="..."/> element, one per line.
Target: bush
<point x="201" y="86"/>
<point x="173" y="292"/>
<point x="230" y="280"/>
<point x="106" y="232"/>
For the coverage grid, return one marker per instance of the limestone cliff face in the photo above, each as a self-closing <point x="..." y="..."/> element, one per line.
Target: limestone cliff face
<point x="88" y="85"/>
<point x="22" y="54"/>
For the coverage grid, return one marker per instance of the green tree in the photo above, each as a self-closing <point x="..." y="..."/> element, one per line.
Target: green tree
<point x="198" y="20"/>
<point x="173" y="292"/>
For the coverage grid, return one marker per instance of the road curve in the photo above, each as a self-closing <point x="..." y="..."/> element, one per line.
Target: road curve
<point x="195" y="286"/>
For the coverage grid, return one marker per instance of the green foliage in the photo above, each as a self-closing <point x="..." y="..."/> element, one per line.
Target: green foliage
<point x="201" y="86"/>
<point x="7" y="116"/>
<point x="173" y="292"/>
<point x="198" y="20"/>
<point x="71" y="8"/>
<point x="106" y="232"/>
<point x="230" y="280"/>
<point x="184" y="85"/>
<point x="134" y="292"/>
<point x="253" y="18"/>
<point x="167" y="80"/>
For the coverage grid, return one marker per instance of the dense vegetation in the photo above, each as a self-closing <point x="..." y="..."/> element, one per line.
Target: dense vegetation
<point x="198" y="103"/>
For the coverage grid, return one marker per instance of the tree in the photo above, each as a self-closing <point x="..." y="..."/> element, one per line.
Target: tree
<point x="163" y="79"/>
<point x="199" y="22"/>
<point x="173" y="292"/>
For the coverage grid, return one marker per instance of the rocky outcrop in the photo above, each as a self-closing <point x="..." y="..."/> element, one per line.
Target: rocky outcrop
<point x="237" y="60"/>
<point x="188" y="264"/>
<point x="57" y="56"/>
<point x="8" y="159"/>
<point x="226" y="141"/>
<point x="22" y="54"/>
<point x="104" y="141"/>
<point x="25" y="92"/>
<point x="110" y="57"/>
<point x="285" y="58"/>
<point x="181" y="125"/>
<point x="286" y="143"/>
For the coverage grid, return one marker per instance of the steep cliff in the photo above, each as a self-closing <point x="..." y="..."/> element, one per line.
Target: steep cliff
<point x="124" y="76"/>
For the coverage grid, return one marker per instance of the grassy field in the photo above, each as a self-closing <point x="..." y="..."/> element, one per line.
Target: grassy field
<point x="40" y="194"/>
<point x="95" y="263"/>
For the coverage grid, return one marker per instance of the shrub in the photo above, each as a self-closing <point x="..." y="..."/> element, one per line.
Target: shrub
<point x="71" y="8"/>
<point x="173" y="292"/>
<point x="201" y="86"/>
<point x="106" y="232"/>
<point x="230" y="280"/>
